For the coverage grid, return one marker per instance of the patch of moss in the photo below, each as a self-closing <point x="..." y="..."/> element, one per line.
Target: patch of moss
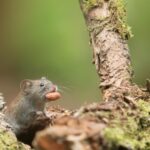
<point x="127" y="132"/>
<point x="118" y="138"/>
<point x="87" y="5"/>
<point x="144" y="107"/>
<point x="144" y="114"/>
<point x="9" y="142"/>
<point x="119" y="18"/>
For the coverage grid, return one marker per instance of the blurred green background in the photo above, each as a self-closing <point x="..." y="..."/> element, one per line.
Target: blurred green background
<point x="49" y="38"/>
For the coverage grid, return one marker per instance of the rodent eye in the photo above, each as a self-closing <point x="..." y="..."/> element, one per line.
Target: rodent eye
<point x="41" y="84"/>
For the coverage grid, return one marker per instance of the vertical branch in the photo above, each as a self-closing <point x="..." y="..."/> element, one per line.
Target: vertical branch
<point x="106" y="22"/>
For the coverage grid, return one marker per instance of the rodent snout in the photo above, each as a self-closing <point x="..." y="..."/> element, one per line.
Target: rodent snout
<point x="53" y="88"/>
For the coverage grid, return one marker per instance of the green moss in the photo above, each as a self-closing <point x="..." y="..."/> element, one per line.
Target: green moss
<point x="144" y="107"/>
<point x="9" y="142"/>
<point x="117" y="19"/>
<point x="118" y="138"/>
<point x="87" y="5"/>
<point x="144" y="114"/>
<point x="129" y="132"/>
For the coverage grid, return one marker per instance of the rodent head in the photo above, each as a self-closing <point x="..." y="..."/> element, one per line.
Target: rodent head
<point x="37" y="88"/>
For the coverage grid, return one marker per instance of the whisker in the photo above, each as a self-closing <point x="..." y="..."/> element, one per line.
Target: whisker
<point x="63" y="88"/>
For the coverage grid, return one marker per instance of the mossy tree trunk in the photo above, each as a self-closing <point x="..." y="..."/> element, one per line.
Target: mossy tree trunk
<point x="109" y="32"/>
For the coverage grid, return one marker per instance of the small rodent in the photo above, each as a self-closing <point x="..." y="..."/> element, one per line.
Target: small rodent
<point x="31" y="99"/>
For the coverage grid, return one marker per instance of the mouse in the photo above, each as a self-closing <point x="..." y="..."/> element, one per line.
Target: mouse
<point x="31" y="100"/>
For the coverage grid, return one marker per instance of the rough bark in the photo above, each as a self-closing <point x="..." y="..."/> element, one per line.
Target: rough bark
<point x="106" y="22"/>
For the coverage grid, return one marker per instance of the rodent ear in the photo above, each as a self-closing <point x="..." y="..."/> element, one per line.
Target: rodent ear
<point x="25" y="84"/>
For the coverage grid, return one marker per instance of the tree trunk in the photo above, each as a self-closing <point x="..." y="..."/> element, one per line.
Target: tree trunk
<point x="109" y="32"/>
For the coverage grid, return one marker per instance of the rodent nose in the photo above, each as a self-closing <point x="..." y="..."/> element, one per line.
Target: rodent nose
<point x="53" y="88"/>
